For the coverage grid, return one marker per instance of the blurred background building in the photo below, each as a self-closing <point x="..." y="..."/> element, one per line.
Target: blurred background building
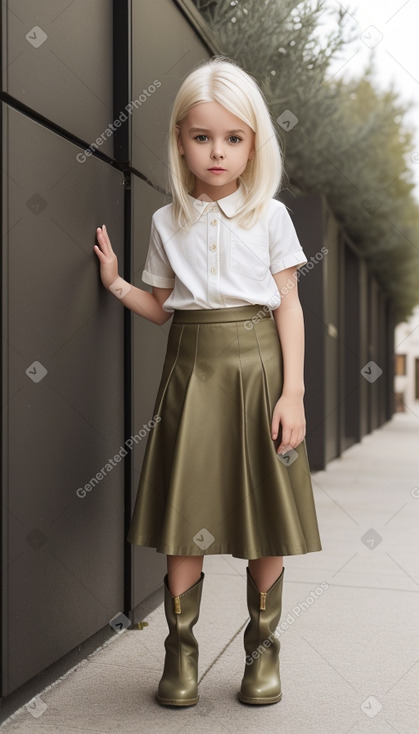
<point x="407" y="362"/>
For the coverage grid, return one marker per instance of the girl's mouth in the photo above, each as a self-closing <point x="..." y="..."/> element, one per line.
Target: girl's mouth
<point x="217" y="170"/>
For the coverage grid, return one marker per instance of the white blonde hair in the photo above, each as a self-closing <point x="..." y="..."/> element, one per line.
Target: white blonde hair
<point x="220" y="80"/>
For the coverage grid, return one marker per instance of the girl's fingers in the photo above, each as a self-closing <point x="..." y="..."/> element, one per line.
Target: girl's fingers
<point x="291" y="440"/>
<point x="104" y="242"/>
<point x="286" y="441"/>
<point x="276" y="418"/>
<point x="99" y="253"/>
<point x="103" y="253"/>
<point x="286" y="438"/>
<point x="101" y="248"/>
<point x="100" y="237"/>
<point x="106" y="238"/>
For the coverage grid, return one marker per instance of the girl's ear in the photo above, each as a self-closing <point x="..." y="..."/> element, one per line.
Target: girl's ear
<point x="179" y="140"/>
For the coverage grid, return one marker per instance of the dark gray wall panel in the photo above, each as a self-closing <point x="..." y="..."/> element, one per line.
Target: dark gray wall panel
<point x="148" y="350"/>
<point x="63" y="562"/>
<point x="57" y="60"/>
<point x="351" y="348"/>
<point x="363" y="346"/>
<point x="332" y="337"/>
<point x="158" y="24"/>
<point x="374" y="352"/>
<point x="308" y="213"/>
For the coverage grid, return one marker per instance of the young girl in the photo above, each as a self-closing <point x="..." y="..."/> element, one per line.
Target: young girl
<point x="225" y="469"/>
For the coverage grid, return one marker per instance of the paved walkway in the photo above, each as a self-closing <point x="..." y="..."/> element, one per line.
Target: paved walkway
<point x="349" y="655"/>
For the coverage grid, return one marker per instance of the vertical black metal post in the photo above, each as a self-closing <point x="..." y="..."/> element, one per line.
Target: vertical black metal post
<point x="122" y="155"/>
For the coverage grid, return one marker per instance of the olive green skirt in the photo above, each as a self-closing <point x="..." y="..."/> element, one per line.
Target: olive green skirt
<point x="211" y="480"/>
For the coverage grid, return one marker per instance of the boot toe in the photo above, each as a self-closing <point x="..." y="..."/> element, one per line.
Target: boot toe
<point x="260" y="692"/>
<point x="169" y="694"/>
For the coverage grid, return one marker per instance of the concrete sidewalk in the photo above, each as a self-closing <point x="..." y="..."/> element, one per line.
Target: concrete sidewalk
<point x="349" y="655"/>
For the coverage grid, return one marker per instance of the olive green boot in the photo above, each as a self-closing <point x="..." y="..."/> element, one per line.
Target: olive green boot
<point x="179" y="683"/>
<point x="261" y="682"/>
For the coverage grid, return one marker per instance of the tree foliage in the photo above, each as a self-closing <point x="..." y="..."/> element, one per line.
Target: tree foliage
<point x="348" y="139"/>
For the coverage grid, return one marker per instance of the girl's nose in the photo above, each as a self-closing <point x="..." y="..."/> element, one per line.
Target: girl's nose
<point x="217" y="151"/>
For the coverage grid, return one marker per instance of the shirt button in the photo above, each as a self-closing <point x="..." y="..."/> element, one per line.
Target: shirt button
<point x="213" y="223"/>
<point x="213" y="270"/>
<point x="213" y="247"/>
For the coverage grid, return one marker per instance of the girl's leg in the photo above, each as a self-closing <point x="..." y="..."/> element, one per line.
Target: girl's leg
<point x="265" y="571"/>
<point x="183" y="572"/>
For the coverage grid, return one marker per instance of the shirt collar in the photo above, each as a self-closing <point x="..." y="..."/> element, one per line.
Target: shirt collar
<point x="229" y="205"/>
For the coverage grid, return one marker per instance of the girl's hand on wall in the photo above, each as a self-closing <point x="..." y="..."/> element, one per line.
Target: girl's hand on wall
<point x="289" y="412"/>
<point x="107" y="257"/>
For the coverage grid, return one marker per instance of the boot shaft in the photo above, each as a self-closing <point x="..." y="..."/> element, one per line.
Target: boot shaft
<point x="182" y="613"/>
<point x="261" y="682"/>
<point x="265" y="610"/>
<point x="183" y="610"/>
<point x="179" y="683"/>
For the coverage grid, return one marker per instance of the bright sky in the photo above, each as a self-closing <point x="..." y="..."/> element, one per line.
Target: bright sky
<point x="391" y="28"/>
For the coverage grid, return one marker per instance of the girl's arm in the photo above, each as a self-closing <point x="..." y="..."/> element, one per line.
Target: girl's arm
<point x="289" y="410"/>
<point x="148" y="305"/>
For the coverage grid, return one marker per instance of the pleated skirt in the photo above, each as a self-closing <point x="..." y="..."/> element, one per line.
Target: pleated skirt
<point x="211" y="481"/>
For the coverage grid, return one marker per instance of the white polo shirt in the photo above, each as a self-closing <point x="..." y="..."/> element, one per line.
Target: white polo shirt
<point x="218" y="264"/>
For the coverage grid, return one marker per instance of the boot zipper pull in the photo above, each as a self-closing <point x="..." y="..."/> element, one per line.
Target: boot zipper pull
<point x="262" y="604"/>
<point x="176" y="602"/>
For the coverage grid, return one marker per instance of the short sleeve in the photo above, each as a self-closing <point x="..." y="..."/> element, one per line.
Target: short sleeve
<point x="284" y="246"/>
<point x="157" y="269"/>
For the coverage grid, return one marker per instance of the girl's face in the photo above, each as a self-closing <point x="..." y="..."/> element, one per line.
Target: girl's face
<point x="217" y="146"/>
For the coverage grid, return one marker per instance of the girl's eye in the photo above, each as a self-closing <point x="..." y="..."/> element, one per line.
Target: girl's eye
<point x="234" y="139"/>
<point x="199" y="138"/>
